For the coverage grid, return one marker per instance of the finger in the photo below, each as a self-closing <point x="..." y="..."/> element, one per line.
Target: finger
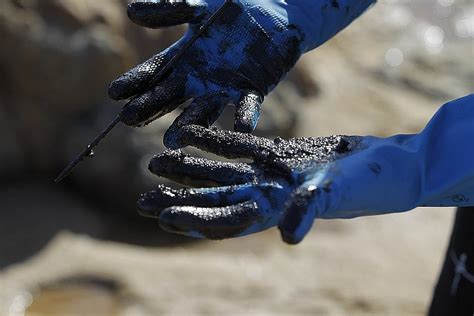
<point x="138" y="79"/>
<point x="156" y="14"/>
<point x="203" y="111"/>
<point x="154" y="103"/>
<point x="152" y="203"/>
<point x="227" y="144"/>
<point x="214" y="223"/>
<point x="189" y="170"/>
<point x="247" y="112"/>
<point x="299" y="214"/>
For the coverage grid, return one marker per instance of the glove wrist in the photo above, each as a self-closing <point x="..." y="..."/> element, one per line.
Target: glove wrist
<point x="316" y="20"/>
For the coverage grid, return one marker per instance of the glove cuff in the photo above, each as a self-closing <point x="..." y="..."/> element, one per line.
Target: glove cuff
<point x="318" y="20"/>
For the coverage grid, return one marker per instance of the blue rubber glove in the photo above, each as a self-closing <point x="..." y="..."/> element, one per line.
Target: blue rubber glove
<point x="292" y="182"/>
<point x="240" y="59"/>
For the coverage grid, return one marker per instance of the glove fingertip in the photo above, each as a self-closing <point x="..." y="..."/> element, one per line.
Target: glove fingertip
<point x="245" y="126"/>
<point x="141" y="13"/>
<point x="162" y="14"/>
<point x="116" y="89"/>
<point x="289" y="238"/>
<point x="176" y="221"/>
<point x="130" y="114"/>
<point x="294" y="235"/>
<point x="215" y="223"/>
<point x="247" y="112"/>
<point x="147" y="205"/>
<point x="172" y="138"/>
<point x="298" y="216"/>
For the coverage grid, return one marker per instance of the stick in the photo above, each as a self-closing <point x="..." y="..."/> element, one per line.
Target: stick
<point x="88" y="151"/>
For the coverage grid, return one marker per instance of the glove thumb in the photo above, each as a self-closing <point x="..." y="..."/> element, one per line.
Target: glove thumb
<point x="299" y="213"/>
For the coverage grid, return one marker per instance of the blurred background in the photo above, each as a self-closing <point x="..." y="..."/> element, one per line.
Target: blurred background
<point x="80" y="248"/>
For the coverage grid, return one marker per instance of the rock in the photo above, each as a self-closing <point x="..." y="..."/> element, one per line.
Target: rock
<point x="47" y="72"/>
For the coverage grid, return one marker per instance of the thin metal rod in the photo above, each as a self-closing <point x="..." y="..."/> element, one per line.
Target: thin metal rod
<point x="88" y="150"/>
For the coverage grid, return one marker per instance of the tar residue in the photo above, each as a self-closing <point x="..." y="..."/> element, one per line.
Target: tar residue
<point x="212" y="223"/>
<point x="247" y="112"/>
<point x="163" y="14"/>
<point x="296" y="213"/>
<point x="207" y="212"/>
<point x="210" y="215"/>
<point x="292" y="154"/>
<point x="335" y="4"/>
<point x="136" y="80"/>
<point x="189" y="170"/>
<point x="152" y="203"/>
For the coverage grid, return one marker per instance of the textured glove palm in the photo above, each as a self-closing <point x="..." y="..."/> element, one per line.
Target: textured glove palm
<point x="292" y="182"/>
<point x="240" y="59"/>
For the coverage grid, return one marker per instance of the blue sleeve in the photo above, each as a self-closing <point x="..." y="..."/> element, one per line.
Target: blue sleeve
<point x="446" y="155"/>
<point x="394" y="174"/>
<point x="322" y="19"/>
<point x="432" y="168"/>
<point x="317" y="20"/>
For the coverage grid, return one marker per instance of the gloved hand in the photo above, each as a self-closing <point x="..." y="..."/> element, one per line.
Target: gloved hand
<point x="240" y="59"/>
<point x="292" y="182"/>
